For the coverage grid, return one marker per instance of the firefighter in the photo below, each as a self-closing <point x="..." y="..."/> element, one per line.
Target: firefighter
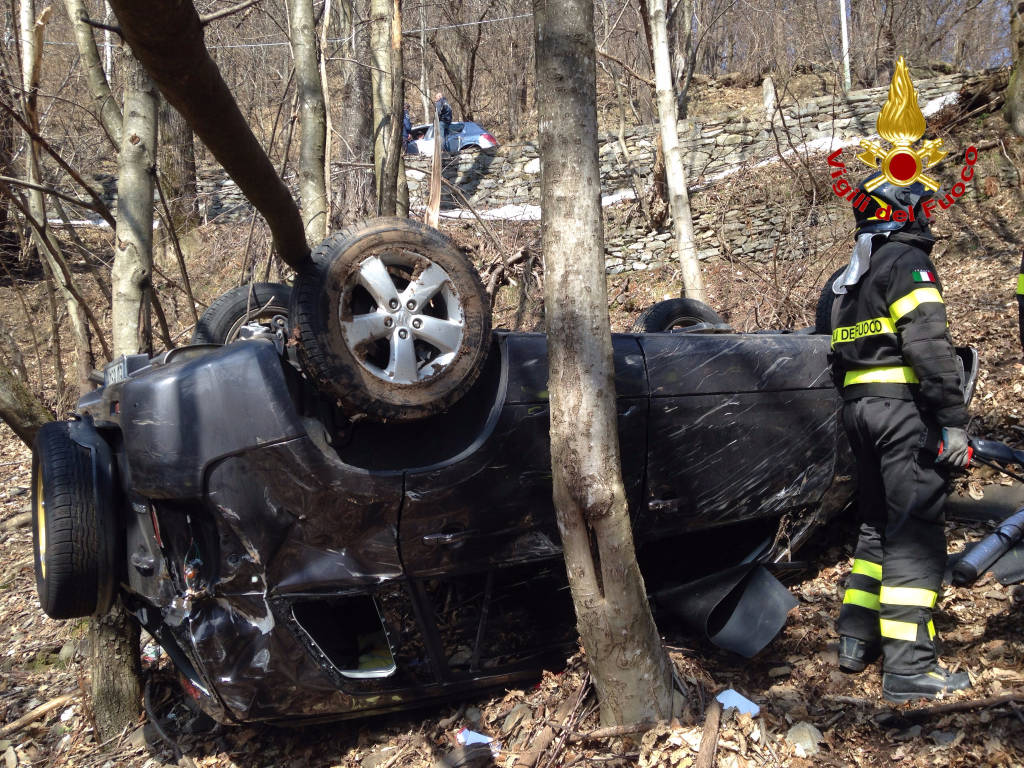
<point x="904" y="413"/>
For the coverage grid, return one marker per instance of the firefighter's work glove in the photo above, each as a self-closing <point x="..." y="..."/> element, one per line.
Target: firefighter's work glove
<point x="953" y="449"/>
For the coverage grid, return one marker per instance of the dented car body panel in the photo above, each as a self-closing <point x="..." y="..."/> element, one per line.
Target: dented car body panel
<point x="298" y="566"/>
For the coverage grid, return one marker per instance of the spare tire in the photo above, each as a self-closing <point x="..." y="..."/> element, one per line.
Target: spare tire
<point x="74" y="541"/>
<point x="391" y="319"/>
<point x="252" y="303"/>
<point x="675" y="313"/>
<point x="823" y="311"/>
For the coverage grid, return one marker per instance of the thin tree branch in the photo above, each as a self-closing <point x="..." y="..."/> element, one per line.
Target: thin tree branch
<point x="100" y="25"/>
<point x="65" y="271"/>
<point x="107" y="216"/>
<point x="626" y="67"/>
<point x="204" y="20"/>
<point x="51" y="191"/>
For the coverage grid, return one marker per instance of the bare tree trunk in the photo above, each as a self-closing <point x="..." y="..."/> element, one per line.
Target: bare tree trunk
<point x="356" y="197"/>
<point x="386" y="79"/>
<point x="114" y="638"/>
<point x="132" y="273"/>
<point x="32" y="33"/>
<point x="630" y="669"/>
<point x="1014" y="110"/>
<point x="424" y="83"/>
<point x="105" y="103"/>
<point x="675" y="172"/>
<point x="116" y="671"/>
<point x="312" y="120"/>
<point x="325" y="87"/>
<point x="167" y="38"/>
<point x="19" y="408"/>
<point x="177" y="166"/>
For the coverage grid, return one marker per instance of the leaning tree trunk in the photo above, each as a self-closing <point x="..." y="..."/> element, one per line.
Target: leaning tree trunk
<point x="675" y="172"/>
<point x="627" y="661"/>
<point x="312" y="120"/>
<point x="114" y="638"/>
<point x="167" y="38"/>
<point x="99" y="90"/>
<point x="1015" y="90"/>
<point x="19" y="408"/>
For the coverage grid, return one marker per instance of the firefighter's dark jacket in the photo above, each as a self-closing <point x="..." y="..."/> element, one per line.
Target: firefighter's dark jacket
<point x="891" y="337"/>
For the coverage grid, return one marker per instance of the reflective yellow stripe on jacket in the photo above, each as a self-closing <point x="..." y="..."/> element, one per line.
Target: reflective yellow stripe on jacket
<point x="913" y="300"/>
<point x="897" y="374"/>
<point x="872" y="327"/>
<point x="1020" y="284"/>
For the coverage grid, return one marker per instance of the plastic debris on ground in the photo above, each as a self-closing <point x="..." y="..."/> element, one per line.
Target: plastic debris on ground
<point x="467" y="737"/>
<point x="730" y="699"/>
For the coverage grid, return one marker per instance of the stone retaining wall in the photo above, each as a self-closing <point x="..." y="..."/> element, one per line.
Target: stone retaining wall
<point x="762" y="212"/>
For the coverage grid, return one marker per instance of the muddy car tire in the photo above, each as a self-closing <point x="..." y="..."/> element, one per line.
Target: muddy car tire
<point x="256" y="303"/>
<point x="823" y="310"/>
<point x="675" y="313"/>
<point x="73" y="541"/>
<point x="391" y="319"/>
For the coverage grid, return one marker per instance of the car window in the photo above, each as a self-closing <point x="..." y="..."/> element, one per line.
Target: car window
<point x="456" y="127"/>
<point x="418" y="133"/>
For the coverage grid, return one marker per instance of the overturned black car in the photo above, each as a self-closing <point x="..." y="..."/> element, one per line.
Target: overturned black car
<point x="301" y="555"/>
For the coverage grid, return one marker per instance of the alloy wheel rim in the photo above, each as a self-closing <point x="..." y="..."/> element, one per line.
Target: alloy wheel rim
<point x="401" y="317"/>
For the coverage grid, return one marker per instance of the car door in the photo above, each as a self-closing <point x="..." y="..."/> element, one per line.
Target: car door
<point x="492" y="504"/>
<point x="477" y="534"/>
<point x="742" y="426"/>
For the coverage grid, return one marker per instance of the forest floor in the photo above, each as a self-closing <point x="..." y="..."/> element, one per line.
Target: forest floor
<point x="795" y="680"/>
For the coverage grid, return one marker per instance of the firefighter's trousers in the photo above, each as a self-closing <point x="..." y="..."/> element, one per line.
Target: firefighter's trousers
<point x="901" y="553"/>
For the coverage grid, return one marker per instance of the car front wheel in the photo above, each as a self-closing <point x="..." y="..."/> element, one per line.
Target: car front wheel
<point x="74" y="541"/>
<point x="391" y="319"/>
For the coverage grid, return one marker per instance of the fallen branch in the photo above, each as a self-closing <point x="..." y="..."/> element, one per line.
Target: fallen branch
<point x="709" y="738"/>
<point x="612" y="731"/>
<point x="926" y="713"/>
<point x="18" y="521"/>
<point x="35" y="714"/>
<point x="563" y="715"/>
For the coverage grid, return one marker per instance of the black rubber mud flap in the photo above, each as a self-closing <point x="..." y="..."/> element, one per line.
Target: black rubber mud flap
<point x="740" y="609"/>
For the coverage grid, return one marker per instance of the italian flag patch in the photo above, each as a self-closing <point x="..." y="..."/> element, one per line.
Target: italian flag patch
<point x="924" y="276"/>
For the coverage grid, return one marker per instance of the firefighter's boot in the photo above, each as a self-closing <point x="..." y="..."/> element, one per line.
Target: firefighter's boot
<point x="934" y="683"/>
<point x="855" y="654"/>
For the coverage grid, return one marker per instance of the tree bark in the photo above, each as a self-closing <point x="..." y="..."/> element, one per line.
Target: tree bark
<point x="116" y="671"/>
<point x="675" y="172"/>
<point x="356" y="197"/>
<point x="131" y="276"/>
<point x="167" y="38"/>
<point x="107" y="111"/>
<point x="386" y="83"/>
<point x="19" y="408"/>
<point x="630" y="669"/>
<point x="312" y="120"/>
<point x="177" y="166"/>
<point x="114" y="638"/>
<point x="1014" y="110"/>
